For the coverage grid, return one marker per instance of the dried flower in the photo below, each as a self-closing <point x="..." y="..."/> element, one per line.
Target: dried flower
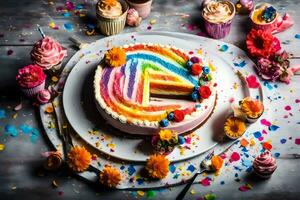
<point x="110" y="176"/>
<point x="157" y="166"/>
<point x="262" y="43"/>
<point x="115" y="57"/>
<point x="79" y="159"/>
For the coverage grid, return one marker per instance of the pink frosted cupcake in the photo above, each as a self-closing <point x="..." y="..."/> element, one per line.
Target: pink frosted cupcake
<point x="264" y="165"/>
<point x="31" y="79"/>
<point x="217" y="17"/>
<point x="48" y="54"/>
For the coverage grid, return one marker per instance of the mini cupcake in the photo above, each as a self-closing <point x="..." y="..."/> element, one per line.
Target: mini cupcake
<point x="217" y="17"/>
<point x="234" y="127"/>
<point x="31" y="80"/>
<point x="111" y="16"/>
<point x="48" y="54"/>
<point x="252" y="109"/>
<point x="264" y="165"/>
<point x="264" y="16"/>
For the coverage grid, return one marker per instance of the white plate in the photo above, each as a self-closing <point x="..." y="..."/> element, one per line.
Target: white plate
<point x="81" y="111"/>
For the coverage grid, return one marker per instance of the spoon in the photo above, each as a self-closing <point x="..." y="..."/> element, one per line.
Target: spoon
<point x="205" y="166"/>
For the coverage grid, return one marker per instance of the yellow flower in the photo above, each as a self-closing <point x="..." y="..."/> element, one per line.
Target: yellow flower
<point x="79" y="159"/>
<point x="166" y="134"/>
<point x="234" y="127"/>
<point x="110" y="176"/>
<point x="115" y="57"/>
<point x="252" y="107"/>
<point x="157" y="166"/>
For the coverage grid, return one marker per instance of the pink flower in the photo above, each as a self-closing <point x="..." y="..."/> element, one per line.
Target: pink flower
<point x="30" y="76"/>
<point x="268" y="69"/>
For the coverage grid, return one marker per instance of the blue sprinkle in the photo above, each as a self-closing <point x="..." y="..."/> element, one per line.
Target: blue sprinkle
<point x="282" y="141"/>
<point x="25" y="128"/>
<point x="224" y="48"/>
<point x="122" y="167"/>
<point x="35" y="132"/>
<point x="246" y="163"/>
<point x="172" y="168"/>
<point x="241" y="64"/>
<point x="68" y="27"/>
<point x="222" y="182"/>
<point x="198" y="106"/>
<point x="11" y="130"/>
<point x="67" y="14"/>
<point x="237" y="168"/>
<point x="2" y="114"/>
<point x="273" y="128"/>
<point x="170" y="116"/>
<point x="181" y="139"/>
<point x="205" y="70"/>
<point x="268" y="85"/>
<point x="164" y="123"/>
<point x="78" y="7"/>
<point x="131" y="170"/>
<point x="276" y="155"/>
<point x="297" y="36"/>
<point x="244" y="149"/>
<point x="236" y="175"/>
<point x="257" y="134"/>
<point x="196" y="88"/>
<point x="176" y="176"/>
<point x="249" y="169"/>
<point x="140" y="181"/>
<point x="191" y="168"/>
<point x="33" y="138"/>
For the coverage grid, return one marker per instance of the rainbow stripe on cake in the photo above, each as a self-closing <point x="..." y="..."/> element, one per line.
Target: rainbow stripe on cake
<point x="150" y="85"/>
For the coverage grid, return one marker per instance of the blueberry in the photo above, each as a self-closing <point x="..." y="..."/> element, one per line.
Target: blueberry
<point x="181" y="139"/>
<point x="196" y="88"/>
<point x="189" y="64"/>
<point x="195" y="95"/>
<point x="205" y="70"/>
<point x="170" y="116"/>
<point x="164" y="123"/>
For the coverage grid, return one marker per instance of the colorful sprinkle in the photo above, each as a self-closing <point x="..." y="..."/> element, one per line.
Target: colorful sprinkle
<point x="151" y="193"/>
<point x="297" y="36"/>
<point x="265" y="122"/>
<point x="282" y="141"/>
<point x="245" y="188"/>
<point x="11" y="130"/>
<point x="69" y="27"/>
<point x="191" y="168"/>
<point x="2" y="147"/>
<point x="297" y="141"/>
<point x="131" y="170"/>
<point x="224" y="48"/>
<point x="140" y="193"/>
<point x="244" y="142"/>
<point x="210" y="196"/>
<point x="2" y="114"/>
<point x="267" y="146"/>
<point x="257" y="134"/>
<point x="235" y="156"/>
<point x="252" y="82"/>
<point x="241" y="64"/>
<point x="273" y="128"/>
<point x="287" y="108"/>
<point x="206" y="181"/>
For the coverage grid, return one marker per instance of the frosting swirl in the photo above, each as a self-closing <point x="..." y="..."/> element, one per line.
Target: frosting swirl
<point x="265" y="163"/>
<point x="218" y="12"/>
<point x="47" y="52"/>
<point x="109" y="8"/>
<point x="30" y="76"/>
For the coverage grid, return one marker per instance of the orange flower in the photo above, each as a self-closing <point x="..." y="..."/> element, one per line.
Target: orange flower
<point x="110" y="176"/>
<point x="157" y="166"/>
<point x="234" y="127"/>
<point x="115" y="57"/>
<point x="252" y="107"/>
<point x="79" y="159"/>
<point x="108" y="3"/>
<point x="217" y="163"/>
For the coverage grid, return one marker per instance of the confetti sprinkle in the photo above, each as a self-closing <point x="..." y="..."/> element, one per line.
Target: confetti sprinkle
<point x="210" y="196"/>
<point x="151" y="193"/>
<point x="2" y="147"/>
<point x="191" y="168"/>
<point x="2" y="114"/>
<point x="172" y="168"/>
<point x="241" y="64"/>
<point x="257" y="134"/>
<point x="224" y="48"/>
<point x="277" y="155"/>
<point x="53" y="26"/>
<point x="205" y="182"/>
<point x="252" y="82"/>
<point x="152" y="21"/>
<point x="265" y="122"/>
<point x="244" y="142"/>
<point x="245" y="188"/>
<point x="131" y="170"/>
<point x="267" y="146"/>
<point x="193" y="191"/>
<point x="297" y="141"/>
<point x="282" y="141"/>
<point x="273" y="128"/>
<point x="235" y="156"/>
<point x="297" y="36"/>
<point x="49" y="110"/>
<point x="11" y="130"/>
<point x="149" y="27"/>
<point x="140" y="193"/>
<point x="287" y="108"/>
<point x="69" y="27"/>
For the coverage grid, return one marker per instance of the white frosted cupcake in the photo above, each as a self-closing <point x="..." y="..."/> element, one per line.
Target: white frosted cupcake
<point x="48" y="54"/>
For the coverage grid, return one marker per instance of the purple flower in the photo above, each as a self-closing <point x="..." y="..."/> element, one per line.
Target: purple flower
<point x="268" y="69"/>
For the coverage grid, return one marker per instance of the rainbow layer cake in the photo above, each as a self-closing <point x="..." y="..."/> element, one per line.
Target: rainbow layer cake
<point x="142" y="88"/>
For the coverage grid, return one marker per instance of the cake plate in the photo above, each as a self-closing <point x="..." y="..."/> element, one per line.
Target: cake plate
<point x="84" y="118"/>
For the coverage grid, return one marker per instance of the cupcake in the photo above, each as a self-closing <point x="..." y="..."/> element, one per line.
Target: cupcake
<point x="217" y="17"/>
<point x="264" y="16"/>
<point x="48" y="54"/>
<point x="252" y="109"/>
<point x="264" y="165"/>
<point x="31" y="80"/>
<point x="111" y="16"/>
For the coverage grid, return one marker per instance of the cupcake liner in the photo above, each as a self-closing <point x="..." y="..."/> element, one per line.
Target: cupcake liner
<point x="112" y="26"/>
<point x="217" y="31"/>
<point x="32" y="92"/>
<point x="261" y="175"/>
<point x="143" y="9"/>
